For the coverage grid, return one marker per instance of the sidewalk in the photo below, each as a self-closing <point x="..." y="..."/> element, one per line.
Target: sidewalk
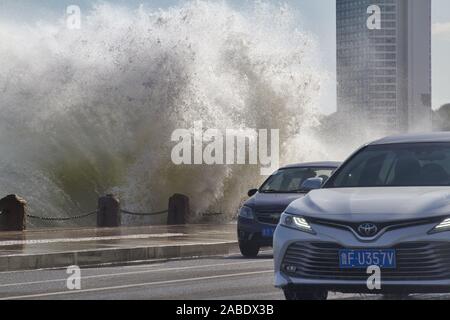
<point x="58" y="248"/>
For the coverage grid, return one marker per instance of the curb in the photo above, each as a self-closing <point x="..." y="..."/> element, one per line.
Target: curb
<point x="88" y="258"/>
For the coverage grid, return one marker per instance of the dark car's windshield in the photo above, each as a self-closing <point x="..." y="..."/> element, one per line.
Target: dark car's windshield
<point x="396" y="165"/>
<point x="291" y="180"/>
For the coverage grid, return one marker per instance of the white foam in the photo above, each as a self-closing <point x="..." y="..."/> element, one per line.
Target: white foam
<point x="91" y="111"/>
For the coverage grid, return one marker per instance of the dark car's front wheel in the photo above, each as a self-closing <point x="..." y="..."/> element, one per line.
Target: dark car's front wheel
<point x="299" y="293"/>
<point x="249" y="249"/>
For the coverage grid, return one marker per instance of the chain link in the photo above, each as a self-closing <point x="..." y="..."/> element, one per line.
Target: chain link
<point x="63" y="219"/>
<point x="212" y="214"/>
<point x="95" y="212"/>
<point x="92" y="213"/>
<point x="144" y="214"/>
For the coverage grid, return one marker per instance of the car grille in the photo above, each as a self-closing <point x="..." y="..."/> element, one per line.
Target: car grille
<point x="269" y="217"/>
<point x="381" y="227"/>
<point x="415" y="261"/>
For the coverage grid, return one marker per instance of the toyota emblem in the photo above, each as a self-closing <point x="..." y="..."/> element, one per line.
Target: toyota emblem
<point x="368" y="230"/>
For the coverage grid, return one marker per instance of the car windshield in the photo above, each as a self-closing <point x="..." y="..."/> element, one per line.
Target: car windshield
<point x="396" y="165"/>
<point x="291" y="180"/>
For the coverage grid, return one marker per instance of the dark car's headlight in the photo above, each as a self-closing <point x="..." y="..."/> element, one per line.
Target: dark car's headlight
<point x="443" y="226"/>
<point x="296" y="222"/>
<point x="247" y="213"/>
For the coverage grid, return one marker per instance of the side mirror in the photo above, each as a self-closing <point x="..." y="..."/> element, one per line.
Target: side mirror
<point x="252" y="192"/>
<point x="312" y="184"/>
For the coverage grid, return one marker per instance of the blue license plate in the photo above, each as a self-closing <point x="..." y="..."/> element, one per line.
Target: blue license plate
<point x="362" y="259"/>
<point x="268" y="232"/>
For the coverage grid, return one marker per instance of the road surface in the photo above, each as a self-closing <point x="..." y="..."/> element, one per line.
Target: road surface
<point x="229" y="277"/>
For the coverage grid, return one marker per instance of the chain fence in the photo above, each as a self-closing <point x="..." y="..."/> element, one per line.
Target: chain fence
<point x="62" y="218"/>
<point x="89" y="214"/>
<point x="212" y="214"/>
<point x="108" y="213"/>
<point x="144" y="214"/>
<point x="86" y="215"/>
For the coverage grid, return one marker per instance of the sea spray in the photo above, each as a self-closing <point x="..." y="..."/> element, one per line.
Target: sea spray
<point x="90" y="111"/>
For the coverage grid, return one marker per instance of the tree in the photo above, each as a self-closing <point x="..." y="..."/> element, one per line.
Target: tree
<point x="442" y="118"/>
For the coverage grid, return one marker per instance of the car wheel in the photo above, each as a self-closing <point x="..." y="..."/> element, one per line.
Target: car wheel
<point x="298" y="293"/>
<point x="249" y="249"/>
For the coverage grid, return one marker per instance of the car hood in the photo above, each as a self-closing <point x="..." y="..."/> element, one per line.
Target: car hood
<point x="272" y="201"/>
<point x="374" y="204"/>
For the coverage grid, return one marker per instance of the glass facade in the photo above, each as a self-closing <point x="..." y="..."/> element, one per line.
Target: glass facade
<point x="372" y="67"/>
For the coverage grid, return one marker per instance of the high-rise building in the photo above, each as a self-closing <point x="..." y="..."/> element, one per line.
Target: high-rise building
<point x="384" y="63"/>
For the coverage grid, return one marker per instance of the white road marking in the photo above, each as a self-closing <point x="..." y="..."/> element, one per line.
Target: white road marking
<point x="128" y="237"/>
<point x="147" y="264"/>
<point x="128" y="273"/>
<point x="62" y="293"/>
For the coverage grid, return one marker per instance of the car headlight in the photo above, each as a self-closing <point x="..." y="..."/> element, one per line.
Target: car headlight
<point x="443" y="226"/>
<point x="247" y="213"/>
<point x="296" y="222"/>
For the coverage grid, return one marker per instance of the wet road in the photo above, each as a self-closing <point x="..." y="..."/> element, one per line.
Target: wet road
<point x="220" y="278"/>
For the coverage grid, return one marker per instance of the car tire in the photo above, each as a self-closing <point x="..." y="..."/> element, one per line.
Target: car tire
<point x="249" y="249"/>
<point x="298" y="293"/>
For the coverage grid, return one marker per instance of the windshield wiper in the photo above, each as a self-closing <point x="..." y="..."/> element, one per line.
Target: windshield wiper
<point x="299" y="191"/>
<point x="283" y="191"/>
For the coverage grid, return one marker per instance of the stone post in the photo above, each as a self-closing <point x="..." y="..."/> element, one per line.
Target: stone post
<point x="13" y="213"/>
<point x="108" y="212"/>
<point x="178" y="210"/>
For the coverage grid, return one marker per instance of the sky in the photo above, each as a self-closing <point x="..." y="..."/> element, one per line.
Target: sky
<point x="316" y="16"/>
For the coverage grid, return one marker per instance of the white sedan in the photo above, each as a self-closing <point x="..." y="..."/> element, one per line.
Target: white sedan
<point x="386" y="209"/>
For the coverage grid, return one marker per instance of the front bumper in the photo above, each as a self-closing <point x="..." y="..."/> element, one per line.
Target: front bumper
<point x="388" y="287"/>
<point x="424" y="272"/>
<point x="252" y="230"/>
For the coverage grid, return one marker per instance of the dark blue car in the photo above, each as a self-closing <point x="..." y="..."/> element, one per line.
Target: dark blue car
<point x="260" y="215"/>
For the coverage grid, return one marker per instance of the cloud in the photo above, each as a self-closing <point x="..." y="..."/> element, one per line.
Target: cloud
<point x="441" y="28"/>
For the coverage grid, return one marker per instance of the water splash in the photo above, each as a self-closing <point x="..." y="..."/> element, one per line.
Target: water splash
<point x="91" y="111"/>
